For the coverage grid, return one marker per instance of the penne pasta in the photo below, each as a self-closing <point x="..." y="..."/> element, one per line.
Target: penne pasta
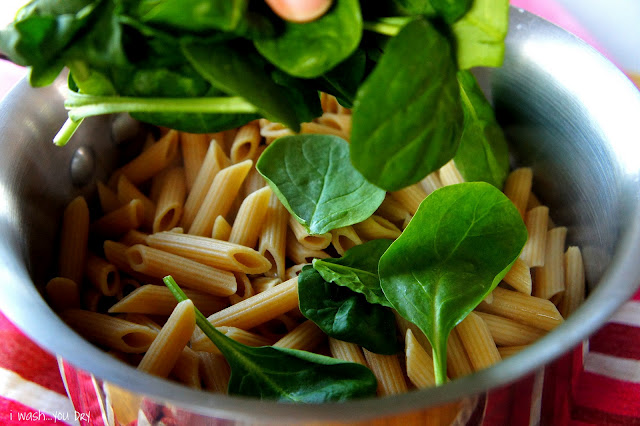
<point x="187" y="368"/>
<point x="127" y="286"/>
<point x="507" y="351"/>
<point x="116" y="254"/>
<point x="128" y="192"/>
<point x="537" y="222"/>
<point x="157" y="300"/>
<point x="476" y="339"/>
<point x="294" y="270"/>
<point x="410" y="197"/>
<point x="574" y="281"/>
<point x="245" y="290"/>
<point x="344" y="238"/>
<point x="261" y="284"/>
<point x="271" y="131"/>
<point x="323" y="129"/>
<point x="214" y="371"/>
<point x="376" y="227"/>
<point x="203" y="343"/>
<point x="419" y="363"/>
<point x="519" y="277"/>
<point x="63" y="294"/>
<point x="449" y="174"/>
<point x="387" y="370"/>
<point x="134" y="237"/>
<point x="517" y="188"/>
<point x="245" y="144"/>
<point x="341" y="122"/>
<point x="312" y="242"/>
<point x="507" y="332"/>
<point x="346" y="351"/>
<point x="73" y="240"/>
<point x="301" y="254"/>
<point x="250" y="218"/>
<point x="108" y="198"/>
<point x="254" y="179"/>
<point x="194" y="149"/>
<point x="102" y="275"/>
<point x="550" y="277"/>
<point x="305" y="337"/>
<point x="221" y="229"/>
<point x="431" y="182"/>
<point x="170" y="200"/>
<point x="458" y="362"/>
<point x="119" y="221"/>
<point x="273" y="238"/>
<point x="394" y="212"/>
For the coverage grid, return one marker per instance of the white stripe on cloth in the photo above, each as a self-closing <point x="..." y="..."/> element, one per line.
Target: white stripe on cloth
<point x="624" y="369"/>
<point x="15" y="387"/>
<point x="536" y="398"/>
<point x="628" y="314"/>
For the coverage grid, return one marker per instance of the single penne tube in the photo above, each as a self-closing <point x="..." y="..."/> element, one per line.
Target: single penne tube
<point x="449" y="174"/>
<point x="127" y="285"/>
<point x="344" y="238"/>
<point x="403" y="325"/>
<point x="187" y="272"/>
<point x="214" y="161"/>
<point x="574" y="282"/>
<point x="476" y="339"/>
<point x="157" y="182"/>
<point x="507" y="332"/>
<point x="517" y="188"/>
<point x="163" y="353"/>
<point x="537" y="222"/>
<point x="250" y="218"/>
<point x="261" y="284"/>
<point x="458" y="362"/>
<point x="419" y="363"/>
<point x="519" y="277"/>
<point x="108" y="198"/>
<point x="271" y="131"/>
<point x="187" y="368"/>
<point x="128" y="192"/>
<point x="507" y="351"/>
<point x="301" y="254"/>
<point x="273" y="237"/>
<point x="63" y="294"/>
<point x="260" y="308"/>
<point x="550" y="277"/>
<point x="221" y="229"/>
<point x="202" y="343"/>
<point x="341" y="122"/>
<point x="312" y="242"/>
<point x="410" y="197"/>
<point x="376" y="227"/>
<point x="276" y="328"/>
<point x="109" y="331"/>
<point x="102" y="275"/>
<point x="92" y="300"/>
<point x="254" y="179"/>
<point x="119" y="221"/>
<point x="329" y="103"/>
<point x="219" y="198"/>
<point x="144" y="320"/>
<point x="245" y="144"/>
<point x="305" y="337"/>
<point x="216" y="253"/>
<point x="525" y="309"/>
<point x="346" y="351"/>
<point x="194" y="148"/>
<point x="393" y="211"/>
<point x="134" y="237"/>
<point x="170" y="200"/>
<point x="323" y="129"/>
<point x="116" y="254"/>
<point x="74" y="238"/>
<point x="431" y="182"/>
<point x="150" y="161"/>
<point x="294" y="271"/>
<point x="388" y="371"/>
<point x="244" y="291"/>
<point x="157" y="300"/>
<point x="214" y="372"/>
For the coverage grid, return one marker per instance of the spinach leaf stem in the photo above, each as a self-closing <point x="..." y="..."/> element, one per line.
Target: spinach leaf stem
<point x="66" y="131"/>
<point x="390" y="26"/>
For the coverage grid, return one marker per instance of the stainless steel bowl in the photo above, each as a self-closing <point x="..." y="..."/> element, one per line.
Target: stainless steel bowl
<point x="568" y="113"/>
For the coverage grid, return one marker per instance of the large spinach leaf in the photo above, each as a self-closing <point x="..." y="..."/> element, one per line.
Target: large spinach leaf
<point x="343" y="80"/>
<point x="314" y="180"/>
<point x="311" y="49"/>
<point x="357" y="270"/>
<point x="461" y="242"/>
<point x="451" y="10"/>
<point x="480" y="34"/>
<point x="407" y="117"/>
<point x="483" y="154"/>
<point x="286" y="375"/>
<point x="346" y="315"/>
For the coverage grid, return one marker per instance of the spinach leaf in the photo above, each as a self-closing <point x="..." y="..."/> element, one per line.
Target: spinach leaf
<point x="451" y="10"/>
<point x="343" y="80"/>
<point x="311" y="49"/>
<point x="412" y="126"/>
<point x="416" y="7"/>
<point x="300" y="93"/>
<point x="357" y="270"/>
<point x="238" y="71"/>
<point x="314" y="180"/>
<point x="461" y="242"/>
<point x="480" y="34"/>
<point x="286" y="375"/>
<point x="346" y="315"/>
<point x="483" y="154"/>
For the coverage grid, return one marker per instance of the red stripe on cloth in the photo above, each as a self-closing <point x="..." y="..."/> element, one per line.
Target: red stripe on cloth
<point x="14" y="413"/>
<point x="21" y="355"/>
<point x="521" y="406"/>
<point x="593" y="416"/>
<point x="497" y="411"/>
<point x="83" y="395"/>
<point x="636" y="296"/>
<point x="556" y="393"/>
<point x="618" y="340"/>
<point x="612" y="397"/>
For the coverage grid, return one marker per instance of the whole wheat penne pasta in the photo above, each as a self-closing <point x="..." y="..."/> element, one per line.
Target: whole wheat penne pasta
<point x="220" y="197"/>
<point x="254" y="179"/>
<point x="271" y="131"/>
<point x="449" y="174"/>
<point x="63" y="294"/>
<point x="431" y="182"/>
<point x="301" y="254"/>
<point x="419" y="363"/>
<point x="245" y="290"/>
<point x="214" y="161"/>
<point x="150" y="161"/>
<point x="346" y="351"/>
<point x="127" y="285"/>
<point x="294" y="271"/>
<point x="221" y="229"/>
<point x="128" y="192"/>
<point x="261" y="284"/>
<point x="144" y="320"/>
<point x="507" y="351"/>
<point x="108" y="198"/>
<point x="344" y="238"/>
<point x="528" y="310"/>
<point x="133" y="237"/>
<point x="260" y="308"/>
<point x="157" y="182"/>
<point x="194" y="148"/>
<point x="250" y="218"/>
<point x="116" y="254"/>
<point x="109" y="331"/>
<point x="278" y="327"/>
<point x="187" y="368"/>
<point x="73" y="240"/>
<point x="340" y="122"/>
<point x="322" y="129"/>
<point x="329" y="103"/>
<point x="458" y="362"/>
<point x="517" y="188"/>
<point x="202" y="343"/>
<point x="507" y="332"/>
<point x="305" y="337"/>
<point x="313" y="242"/>
<point x="550" y="277"/>
<point x="477" y="340"/>
<point x="273" y="237"/>
<point x="157" y="300"/>
<point x="375" y="227"/>
<point x="187" y="272"/>
<point x="245" y="144"/>
<point x="410" y="197"/>
<point x="119" y="221"/>
<point x="387" y="370"/>
<point x="214" y="372"/>
<point x="394" y="212"/>
<point x="163" y="353"/>
<point x="403" y="325"/>
<point x="537" y="222"/>
<point x="102" y="275"/>
<point x="574" y="281"/>
<point x="216" y="253"/>
<point x="519" y="277"/>
<point x="170" y="201"/>
<point x="93" y="300"/>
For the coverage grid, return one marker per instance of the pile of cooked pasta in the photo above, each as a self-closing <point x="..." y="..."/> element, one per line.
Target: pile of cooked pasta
<point x="194" y="207"/>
